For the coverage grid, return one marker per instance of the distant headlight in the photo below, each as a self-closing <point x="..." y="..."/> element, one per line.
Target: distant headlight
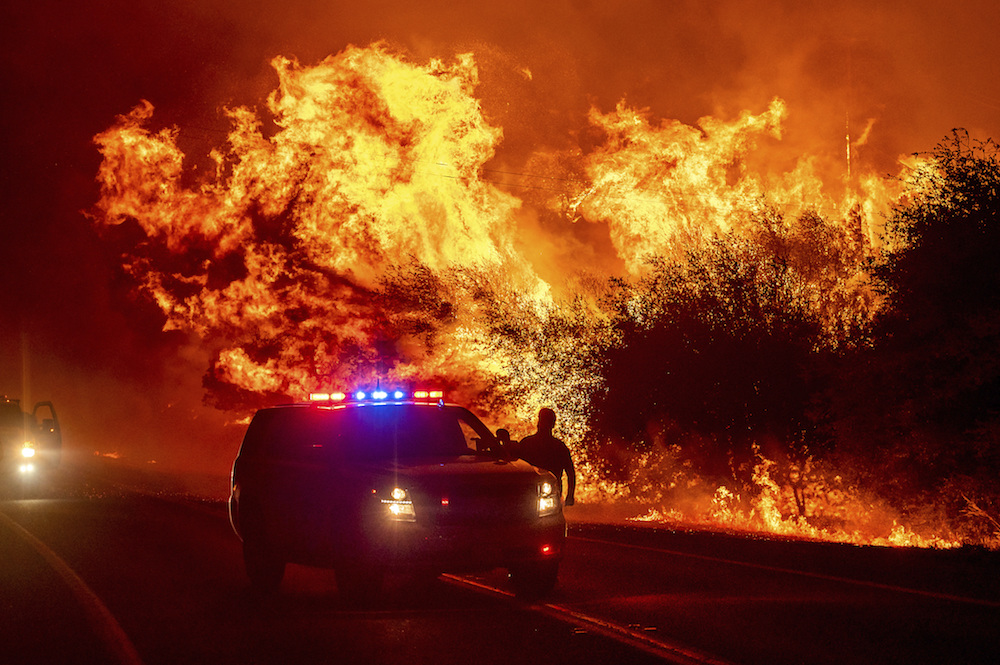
<point x="400" y="507"/>
<point x="548" y="499"/>
<point x="28" y="450"/>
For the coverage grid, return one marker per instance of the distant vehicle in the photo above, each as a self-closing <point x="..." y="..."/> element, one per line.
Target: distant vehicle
<point x="28" y="441"/>
<point x="372" y="482"/>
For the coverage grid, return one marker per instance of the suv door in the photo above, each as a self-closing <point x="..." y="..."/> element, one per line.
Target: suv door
<point x="295" y="481"/>
<point x="49" y="434"/>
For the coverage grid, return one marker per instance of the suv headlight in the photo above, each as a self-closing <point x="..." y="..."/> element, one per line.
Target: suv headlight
<point x="400" y="506"/>
<point x="548" y="498"/>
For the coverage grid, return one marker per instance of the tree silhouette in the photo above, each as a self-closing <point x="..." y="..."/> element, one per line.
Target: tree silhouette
<point x="720" y="346"/>
<point x="923" y="401"/>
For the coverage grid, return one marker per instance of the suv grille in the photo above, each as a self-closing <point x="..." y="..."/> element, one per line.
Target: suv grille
<point x="480" y="505"/>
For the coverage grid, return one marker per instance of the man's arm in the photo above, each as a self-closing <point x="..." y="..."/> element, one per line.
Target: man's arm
<point x="570" y="478"/>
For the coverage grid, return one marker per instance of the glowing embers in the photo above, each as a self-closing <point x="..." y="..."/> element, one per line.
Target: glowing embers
<point x="399" y="507"/>
<point x="378" y="395"/>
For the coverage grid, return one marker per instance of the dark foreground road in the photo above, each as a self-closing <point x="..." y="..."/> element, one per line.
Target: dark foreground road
<point x="91" y="572"/>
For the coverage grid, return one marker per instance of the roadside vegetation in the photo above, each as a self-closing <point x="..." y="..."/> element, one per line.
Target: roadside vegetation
<point x="838" y="369"/>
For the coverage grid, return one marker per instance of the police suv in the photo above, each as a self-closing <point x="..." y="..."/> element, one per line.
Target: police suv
<point x="28" y="441"/>
<point x="376" y="481"/>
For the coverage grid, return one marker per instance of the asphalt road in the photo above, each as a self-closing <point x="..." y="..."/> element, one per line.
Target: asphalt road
<point x="94" y="571"/>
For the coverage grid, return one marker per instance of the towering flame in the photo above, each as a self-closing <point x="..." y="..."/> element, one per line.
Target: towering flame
<point x="357" y="232"/>
<point x="660" y="188"/>
<point x="374" y="162"/>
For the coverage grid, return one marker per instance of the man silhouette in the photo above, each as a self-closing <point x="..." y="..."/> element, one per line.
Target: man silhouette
<point x="507" y="446"/>
<point x="545" y="451"/>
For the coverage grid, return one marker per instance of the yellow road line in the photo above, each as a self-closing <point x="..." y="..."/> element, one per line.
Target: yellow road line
<point x="670" y="651"/>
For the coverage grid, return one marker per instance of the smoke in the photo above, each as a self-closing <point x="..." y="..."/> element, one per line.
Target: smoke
<point x="915" y="69"/>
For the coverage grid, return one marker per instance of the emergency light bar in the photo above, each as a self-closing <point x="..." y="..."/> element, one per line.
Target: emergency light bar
<point x="327" y="397"/>
<point x="378" y="395"/>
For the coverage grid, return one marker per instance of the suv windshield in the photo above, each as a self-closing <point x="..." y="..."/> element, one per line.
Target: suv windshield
<point x="374" y="432"/>
<point x="379" y="432"/>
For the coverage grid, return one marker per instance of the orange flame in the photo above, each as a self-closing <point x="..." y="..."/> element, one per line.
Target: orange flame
<point x="664" y="187"/>
<point x="375" y="162"/>
<point x="835" y="513"/>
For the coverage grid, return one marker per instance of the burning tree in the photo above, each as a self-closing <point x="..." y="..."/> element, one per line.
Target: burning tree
<point x="917" y="408"/>
<point x="278" y="259"/>
<point x="717" y="346"/>
<point x="719" y="356"/>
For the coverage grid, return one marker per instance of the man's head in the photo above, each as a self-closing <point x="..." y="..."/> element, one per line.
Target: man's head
<point x="546" y="419"/>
